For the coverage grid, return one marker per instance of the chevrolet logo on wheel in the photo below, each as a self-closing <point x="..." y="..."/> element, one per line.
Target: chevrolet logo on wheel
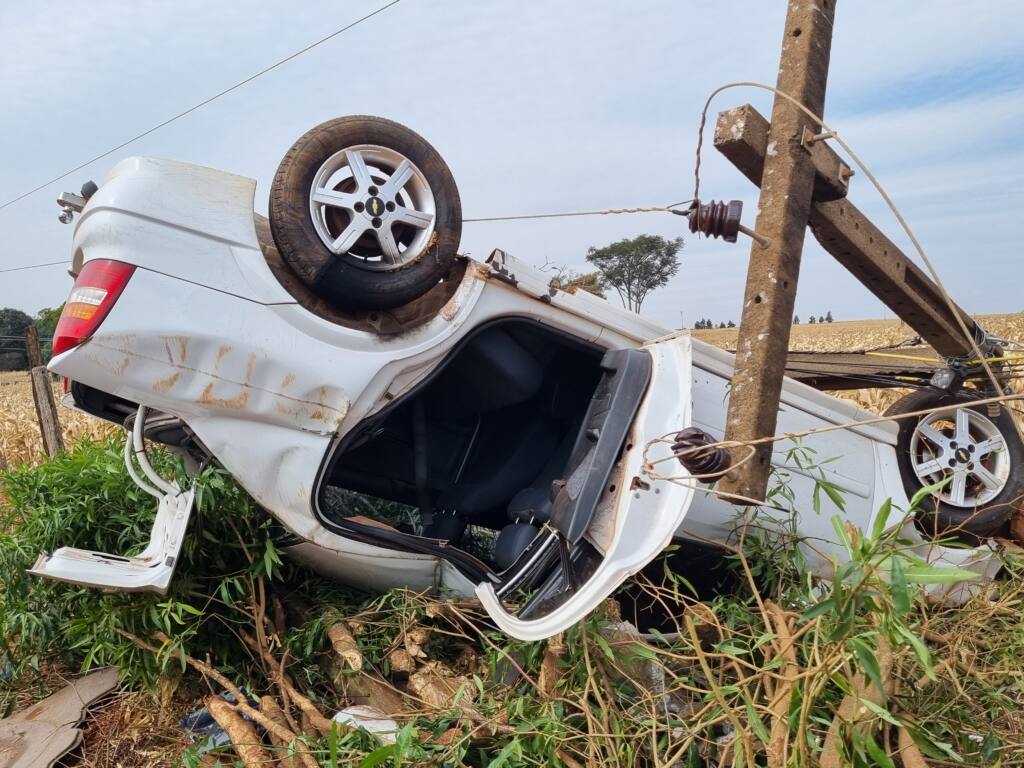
<point x="375" y="206"/>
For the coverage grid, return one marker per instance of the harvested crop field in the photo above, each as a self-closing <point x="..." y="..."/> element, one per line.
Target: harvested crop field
<point x="19" y="431"/>
<point x="868" y="336"/>
<point x="861" y="335"/>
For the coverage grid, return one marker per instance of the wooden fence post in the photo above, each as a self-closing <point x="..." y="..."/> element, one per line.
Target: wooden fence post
<point x="32" y="348"/>
<point x="42" y="394"/>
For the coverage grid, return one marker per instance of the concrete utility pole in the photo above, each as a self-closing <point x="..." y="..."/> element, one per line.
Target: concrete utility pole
<point x="787" y="185"/>
<point x="741" y="134"/>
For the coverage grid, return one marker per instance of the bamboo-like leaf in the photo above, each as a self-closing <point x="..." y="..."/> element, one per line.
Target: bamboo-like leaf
<point x="881" y="519"/>
<point x="868" y="662"/>
<point x="898" y="586"/>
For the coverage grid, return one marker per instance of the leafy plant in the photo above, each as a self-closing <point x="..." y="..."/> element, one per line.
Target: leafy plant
<point x="786" y="669"/>
<point x="85" y="499"/>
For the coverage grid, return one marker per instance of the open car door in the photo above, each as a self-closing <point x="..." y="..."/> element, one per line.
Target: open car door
<point x="610" y="515"/>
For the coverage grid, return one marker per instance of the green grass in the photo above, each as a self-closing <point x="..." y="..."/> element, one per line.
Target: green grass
<point x="721" y="686"/>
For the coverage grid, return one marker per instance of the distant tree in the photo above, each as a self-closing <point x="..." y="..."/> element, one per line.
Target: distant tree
<point x="571" y="281"/>
<point x="796" y="319"/>
<point x="635" y="267"/>
<point x="13" y="323"/>
<point x="821" y="319"/>
<point x="730" y="324"/>
<point x="46" y="324"/>
<point x="721" y="325"/>
<point x="828" y="317"/>
<point x="812" y="320"/>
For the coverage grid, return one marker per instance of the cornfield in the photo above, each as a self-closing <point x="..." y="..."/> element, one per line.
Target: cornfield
<point x="860" y="335"/>
<point x="20" y="441"/>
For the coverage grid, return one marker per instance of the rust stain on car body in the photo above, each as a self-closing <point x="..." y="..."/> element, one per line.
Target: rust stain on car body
<point x="236" y="403"/>
<point x="250" y="366"/>
<point x="224" y="349"/>
<point x="321" y="409"/>
<point x="181" y="343"/>
<point x="164" y="385"/>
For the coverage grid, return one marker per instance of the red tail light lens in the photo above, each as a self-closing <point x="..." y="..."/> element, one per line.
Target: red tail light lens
<point x="97" y="287"/>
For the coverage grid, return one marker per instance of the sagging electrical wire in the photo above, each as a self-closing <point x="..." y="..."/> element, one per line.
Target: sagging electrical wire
<point x="671" y="208"/>
<point x="968" y="336"/>
<point x="649" y="464"/>
<point x="202" y="104"/>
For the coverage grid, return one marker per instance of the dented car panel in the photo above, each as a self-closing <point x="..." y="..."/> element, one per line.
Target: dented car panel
<point x="204" y="332"/>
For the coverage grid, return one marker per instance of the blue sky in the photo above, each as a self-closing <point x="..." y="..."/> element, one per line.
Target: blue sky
<point x="560" y="105"/>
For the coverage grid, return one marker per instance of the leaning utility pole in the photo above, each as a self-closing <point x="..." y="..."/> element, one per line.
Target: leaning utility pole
<point x="787" y="185"/>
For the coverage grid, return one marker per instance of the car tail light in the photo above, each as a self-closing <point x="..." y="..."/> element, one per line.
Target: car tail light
<point x="96" y="288"/>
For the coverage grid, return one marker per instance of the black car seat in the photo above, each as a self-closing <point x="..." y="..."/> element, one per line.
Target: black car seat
<point x="530" y="508"/>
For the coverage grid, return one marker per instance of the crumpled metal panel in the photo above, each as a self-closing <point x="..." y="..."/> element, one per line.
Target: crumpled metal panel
<point x="39" y="736"/>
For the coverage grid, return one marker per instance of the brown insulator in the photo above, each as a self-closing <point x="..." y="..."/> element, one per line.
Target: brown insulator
<point x="716" y="219"/>
<point x="710" y="461"/>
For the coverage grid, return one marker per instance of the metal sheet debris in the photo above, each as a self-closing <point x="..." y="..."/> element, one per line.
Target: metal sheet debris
<point x="39" y="736"/>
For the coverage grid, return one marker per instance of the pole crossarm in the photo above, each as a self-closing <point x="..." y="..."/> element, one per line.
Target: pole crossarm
<point x="741" y="135"/>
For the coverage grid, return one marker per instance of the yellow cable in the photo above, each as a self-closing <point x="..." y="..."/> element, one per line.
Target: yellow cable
<point x="903" y="357"/>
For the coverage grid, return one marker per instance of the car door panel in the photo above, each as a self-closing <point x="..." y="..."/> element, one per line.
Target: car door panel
<point x="632" y="520"/>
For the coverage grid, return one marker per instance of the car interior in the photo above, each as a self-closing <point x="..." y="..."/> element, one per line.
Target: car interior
<point x="479" y="443"/>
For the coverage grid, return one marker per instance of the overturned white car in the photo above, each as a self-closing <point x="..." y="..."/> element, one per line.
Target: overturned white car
<point x="342" y="350"/>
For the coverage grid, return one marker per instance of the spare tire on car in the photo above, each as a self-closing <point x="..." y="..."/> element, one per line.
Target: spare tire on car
<point x="366" y="213"/>
<point x="974" y="451"/>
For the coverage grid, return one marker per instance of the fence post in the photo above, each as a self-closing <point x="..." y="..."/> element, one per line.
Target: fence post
<point x="42" y="394"/>
<point x="32" y="349"/>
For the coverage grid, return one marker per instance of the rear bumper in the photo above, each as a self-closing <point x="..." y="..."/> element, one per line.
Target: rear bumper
<point x="150" y="571"/>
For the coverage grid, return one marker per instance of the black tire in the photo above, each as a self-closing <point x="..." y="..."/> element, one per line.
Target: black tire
<point x="341" y="279"/>
<point x="938" y="518"/>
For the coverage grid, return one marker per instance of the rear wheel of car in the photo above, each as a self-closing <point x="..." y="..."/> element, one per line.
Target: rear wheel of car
<point x="979" y="454"/>
<point x="366" y="212"/>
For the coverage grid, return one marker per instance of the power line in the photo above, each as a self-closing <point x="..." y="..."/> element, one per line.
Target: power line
<point x="65" y="262"/>
<point x="603" y="212"/>
<point x="203" y="103"/>
<point x="673" y="208"/>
